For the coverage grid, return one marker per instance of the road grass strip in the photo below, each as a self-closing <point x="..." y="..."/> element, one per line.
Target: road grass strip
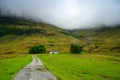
<point x="83" y="67"/>
<point x="10" y="66"/>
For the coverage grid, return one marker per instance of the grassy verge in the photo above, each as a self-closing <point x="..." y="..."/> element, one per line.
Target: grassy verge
<point x="10" y="66"/>
<point x="83" y="67"/>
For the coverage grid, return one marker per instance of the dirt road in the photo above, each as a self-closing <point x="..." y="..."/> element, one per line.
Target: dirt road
<point x="35" y="71"/>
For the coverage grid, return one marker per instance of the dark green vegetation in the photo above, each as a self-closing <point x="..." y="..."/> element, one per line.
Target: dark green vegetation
<point x="37" y="49"/>
<point x="76" y="48"/>
<point x="99" y="40"/>
<point x="83" y="67"/>
<point x="10" y="66"/>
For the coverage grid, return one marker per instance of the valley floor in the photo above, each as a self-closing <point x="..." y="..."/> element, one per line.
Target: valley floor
<point x="64" y="66"/>
<point x="83" y="67"/>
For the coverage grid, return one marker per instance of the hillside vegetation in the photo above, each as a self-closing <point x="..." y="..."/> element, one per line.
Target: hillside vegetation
<point x="99" y="40"/>
<point x="17" y="36"/>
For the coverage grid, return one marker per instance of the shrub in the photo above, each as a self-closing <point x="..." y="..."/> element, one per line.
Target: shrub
<point x="76" y="48"/>
<point x="37" y="49"/>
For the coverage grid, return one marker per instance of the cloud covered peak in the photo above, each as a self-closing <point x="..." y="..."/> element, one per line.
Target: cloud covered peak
<point x="68" y="14"/>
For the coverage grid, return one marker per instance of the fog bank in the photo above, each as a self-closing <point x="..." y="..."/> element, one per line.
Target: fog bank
<point x="67" y="14"/>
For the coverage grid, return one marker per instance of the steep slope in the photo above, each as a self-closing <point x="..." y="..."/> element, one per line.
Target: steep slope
<point x="18" y="35"/>
<point x="104" y="40"/>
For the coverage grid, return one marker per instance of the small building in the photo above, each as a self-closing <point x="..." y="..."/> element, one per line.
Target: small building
<point x="54" y="52"/>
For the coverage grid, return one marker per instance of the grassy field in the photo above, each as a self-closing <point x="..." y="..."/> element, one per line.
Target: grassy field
<point x="83" y="67"/>
<point x="10" y="66"/>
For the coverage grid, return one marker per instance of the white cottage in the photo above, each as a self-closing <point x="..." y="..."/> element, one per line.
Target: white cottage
<point x="54" y="52"/>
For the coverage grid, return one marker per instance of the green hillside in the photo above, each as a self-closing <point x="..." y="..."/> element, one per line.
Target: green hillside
<point x="103" y="40"/>
<point x="17" y="36"/>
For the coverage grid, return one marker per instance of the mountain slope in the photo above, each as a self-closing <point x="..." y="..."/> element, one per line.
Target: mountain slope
<point x="104" y="40"/>
<point x="18" y="35"/>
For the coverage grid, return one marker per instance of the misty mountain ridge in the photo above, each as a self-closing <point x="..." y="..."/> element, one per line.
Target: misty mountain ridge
<point x="26" y="33"/>
<point x="15" y="32"/>
<point x="67" y="14"/>
<point x="22" y="25"/>
<point x="9" y="19"/>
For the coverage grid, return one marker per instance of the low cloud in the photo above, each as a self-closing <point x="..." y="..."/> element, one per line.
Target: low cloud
<point x="67" y="14"/>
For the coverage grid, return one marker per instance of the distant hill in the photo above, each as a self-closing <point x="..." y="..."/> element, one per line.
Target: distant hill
<point x="18" y="35"/>
<point x="103" y="40"/>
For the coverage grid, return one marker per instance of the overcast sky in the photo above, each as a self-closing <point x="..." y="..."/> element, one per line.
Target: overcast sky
<point x="68" y="14"/>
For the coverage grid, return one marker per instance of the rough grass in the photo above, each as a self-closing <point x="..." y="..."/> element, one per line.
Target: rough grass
<point x="10" y="66"/>
<point x="23" y="43"/>
<point x="83" y="67"/>
<point x="49" y="36"/>
<point x="106" y="39"/>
